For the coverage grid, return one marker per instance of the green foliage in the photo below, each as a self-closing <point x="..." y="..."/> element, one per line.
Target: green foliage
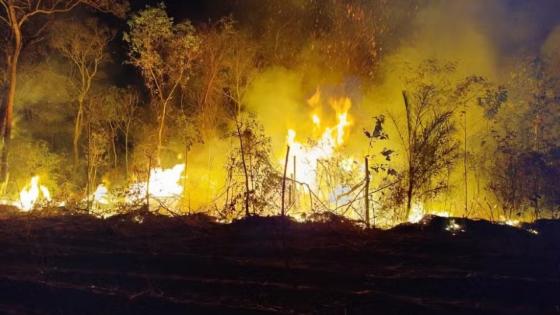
<point x="161" y="49"/>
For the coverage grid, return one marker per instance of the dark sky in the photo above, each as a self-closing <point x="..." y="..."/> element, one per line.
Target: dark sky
<point x="539" y="15"/>
<point x="195" y="10"/>
<point x="513" y="26"/>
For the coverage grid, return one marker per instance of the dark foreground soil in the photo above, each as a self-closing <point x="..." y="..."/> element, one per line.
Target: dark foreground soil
<point x="81" y="265"/>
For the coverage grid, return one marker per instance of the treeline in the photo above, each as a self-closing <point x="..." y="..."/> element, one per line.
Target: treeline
<point x="94" y="92"/>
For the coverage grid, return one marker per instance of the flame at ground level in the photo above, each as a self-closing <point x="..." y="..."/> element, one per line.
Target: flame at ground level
<point x="163" y="183"/>
<point x="32" y="193"/>
<point x="417" y="212"/>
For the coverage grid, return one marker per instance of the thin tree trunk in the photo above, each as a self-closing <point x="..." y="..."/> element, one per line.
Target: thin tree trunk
<point x="148" y="183"/>
<point x="244" y="163"/>
<point x="160" y="132"/>
<point x="12" y="64"/>
<point x="114" y="146"/>
<point x="465" y="164"/>
<point x="78" y="131"/>
<point x="126" y="149"/>
<point x="185" y="177"/>
<point x="366" y="193"/>
<point x="409" y="194"/>
<point x="89" y="165"/>
<point x="410" y="189"/>
<point x="283" y="210"/>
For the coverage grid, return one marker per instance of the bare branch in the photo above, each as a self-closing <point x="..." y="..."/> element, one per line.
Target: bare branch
<point x="48" y="11"/>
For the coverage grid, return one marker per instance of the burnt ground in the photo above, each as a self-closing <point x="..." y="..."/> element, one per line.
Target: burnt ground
<point x="188" y="265"/>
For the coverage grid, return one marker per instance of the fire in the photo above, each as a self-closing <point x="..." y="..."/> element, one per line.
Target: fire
<point x="163" y="183"/>
<point x="453" y="227"/>
<point x="342" y="124"/>
<point x="32" y="193"/>
<point x="100" y="196"/>
<point x="417" y="212"/>
<point x="307" y="157"/>
<point x="316" y="120"/>
<point x="510" y="222"/>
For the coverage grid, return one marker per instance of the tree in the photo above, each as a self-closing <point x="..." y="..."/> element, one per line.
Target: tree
<point x="470" y="93"/>
<point x="127" y="114"/>
<point x="241" y="68"/>
<point x="164" y="52"/>
<point x="210" y="74"/>
<point x="252" y="162"/>
<point x="119" y="110"/>
<point x="524" y="142"/>
<point x="15" y="16"/>
<point x="84" y="44"/>
<point x="383" y="167"/>
<point x="428" y="138"/>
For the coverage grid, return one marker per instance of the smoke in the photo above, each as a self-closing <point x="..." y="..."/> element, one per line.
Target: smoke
<point x="482" y="38"/>
<point x="305" y="57"/>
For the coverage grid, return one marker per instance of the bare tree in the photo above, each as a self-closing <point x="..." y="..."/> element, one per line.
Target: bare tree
<point x="241" y="69"/>
<point x="127" y="113"/>
<point x="84" y="44"/>
<point x="15" y="15"/>
<point x="428" y="137"/>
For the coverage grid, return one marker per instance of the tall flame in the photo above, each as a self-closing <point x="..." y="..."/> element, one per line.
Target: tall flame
<point x="32" y="193"/>
<point x="308" y="157"/>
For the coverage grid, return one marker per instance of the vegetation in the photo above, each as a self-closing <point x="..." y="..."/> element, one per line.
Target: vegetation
<point x="126" y="94"/>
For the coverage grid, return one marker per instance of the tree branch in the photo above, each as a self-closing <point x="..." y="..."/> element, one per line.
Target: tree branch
<point x="47" y="11"/>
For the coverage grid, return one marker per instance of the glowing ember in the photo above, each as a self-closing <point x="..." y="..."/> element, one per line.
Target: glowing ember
<point x="510" y="222"/>
<point x="32" y="193"/>
<point x="454" y="227"/>
<point x="533" y="231"/>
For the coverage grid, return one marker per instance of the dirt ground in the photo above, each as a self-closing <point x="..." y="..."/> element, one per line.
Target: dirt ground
<point x="145" y="264"/>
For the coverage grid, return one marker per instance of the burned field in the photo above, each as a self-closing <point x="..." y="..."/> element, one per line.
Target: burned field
<point x="146" y="264"/>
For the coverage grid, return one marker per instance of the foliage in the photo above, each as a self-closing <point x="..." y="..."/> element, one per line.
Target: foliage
<point x="31" y="157"/>
<point x="164" y="53"/>
<point x="428" y="136"/>
<point x="262" y="178"/>
<point x="524" y="141"/>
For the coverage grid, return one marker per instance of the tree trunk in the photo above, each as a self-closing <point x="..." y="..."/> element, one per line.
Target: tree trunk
<point x="89" y="164"/>
<point x="78" y="131"/>
<point x="185" y="177"/>
<point x="409" y="191"/>
<point x="244" y="163"/>
<point x="126" y="149"/>
<point x="465" y="166"/>
<point x="366" y="193"/>
<point x="148" y="184"/>
<point x="160" y="132"/>
<point x="409" y="194"/>
<point x="283" y="210"/>
<point x="114" y="147"/>
<point x="8" y="110"/>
